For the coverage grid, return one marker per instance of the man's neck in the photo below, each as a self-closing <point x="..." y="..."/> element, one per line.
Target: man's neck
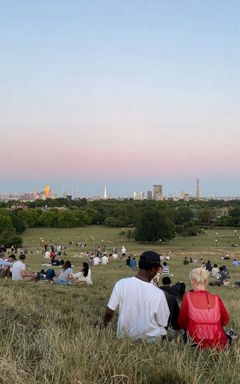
<point x="141" y="275"/>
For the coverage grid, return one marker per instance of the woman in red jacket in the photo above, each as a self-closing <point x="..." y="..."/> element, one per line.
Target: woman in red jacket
<point x="203" y="314"/>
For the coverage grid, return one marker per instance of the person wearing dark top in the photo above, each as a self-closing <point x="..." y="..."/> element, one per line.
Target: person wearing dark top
<point x="128" y="261"/>
<point x="174" y="311"/>
<point x="177" y="290"/>
<point x="208" y="266"/>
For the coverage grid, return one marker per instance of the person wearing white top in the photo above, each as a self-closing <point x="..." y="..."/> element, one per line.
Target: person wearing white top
<point x="105" y="260"/>
<point x="143" y="308"/>
<point x="115" y="256"/>
<point x="19" y="270"/>
<point x="96" y="260"/>
<point x="124" y="251"/>
<point x="85" y="276"/>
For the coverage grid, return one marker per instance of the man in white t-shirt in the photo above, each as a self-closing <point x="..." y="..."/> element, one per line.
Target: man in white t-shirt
<point x="143" y="308"/>
<point x="19" y="270"/>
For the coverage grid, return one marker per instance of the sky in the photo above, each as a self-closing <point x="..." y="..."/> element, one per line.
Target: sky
<point x="125" y="94"/>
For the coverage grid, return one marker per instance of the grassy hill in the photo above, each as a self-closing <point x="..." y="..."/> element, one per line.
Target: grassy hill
<point x="48" y="333"/>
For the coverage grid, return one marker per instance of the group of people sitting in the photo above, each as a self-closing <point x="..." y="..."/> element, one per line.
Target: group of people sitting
<point x="146" y="312"/>
<point x="16" y="270"/>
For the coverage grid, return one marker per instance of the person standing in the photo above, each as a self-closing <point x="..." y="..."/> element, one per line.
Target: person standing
<point x="143" y="308"/>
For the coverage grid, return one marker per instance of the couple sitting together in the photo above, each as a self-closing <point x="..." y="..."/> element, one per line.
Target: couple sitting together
<point x="144" y="311"/>
<point x="67" y="277"/>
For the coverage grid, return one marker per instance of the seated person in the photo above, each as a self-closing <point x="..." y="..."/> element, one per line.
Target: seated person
<point x="215" y="271"/>
<point x="235" y="263"/>
<point x="6" y="266"/>
<point x="185" y="261"/>
<point x="96" y="260"/>
<point x="105" y="260"/>
<point x="128" y="261"/>
<point x="65" y="276"/>
<point x="203" y="314"/>
<point x="19" y="271"/>
<point x="174" y="311"/>
<point x="165" y="270"/>
<point x="50" y="274"/>
<point x="223" y="274"/>
<point x="84" y="276"/>
<point x="133" y="263"/>
<point x="176" y="290"/>
<point x="208" y="266"/>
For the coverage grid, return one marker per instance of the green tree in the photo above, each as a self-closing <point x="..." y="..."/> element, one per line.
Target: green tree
<point x="153" y="225"/>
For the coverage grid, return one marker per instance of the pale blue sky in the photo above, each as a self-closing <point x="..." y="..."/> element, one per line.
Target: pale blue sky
<point x="129" y="93"/>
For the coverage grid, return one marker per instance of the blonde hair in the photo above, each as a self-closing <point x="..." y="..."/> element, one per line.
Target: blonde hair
<point x="199" y="275"/>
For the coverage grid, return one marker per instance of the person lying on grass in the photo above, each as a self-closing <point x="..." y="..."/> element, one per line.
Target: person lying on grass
<point x="143" y="308"/>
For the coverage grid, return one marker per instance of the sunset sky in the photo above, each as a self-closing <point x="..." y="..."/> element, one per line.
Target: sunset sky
<point x="125" y="93"/>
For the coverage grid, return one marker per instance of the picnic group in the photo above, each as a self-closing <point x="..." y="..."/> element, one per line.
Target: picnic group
<point x="150" y="307"/>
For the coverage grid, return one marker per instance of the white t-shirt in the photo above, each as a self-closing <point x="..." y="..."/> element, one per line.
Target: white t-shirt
<point x="17" y="269"/>
<point x="96" y="260"/>
<point x="143" y="309"/>
<point x="115" y="256"/>
<point x="104" y="260"/>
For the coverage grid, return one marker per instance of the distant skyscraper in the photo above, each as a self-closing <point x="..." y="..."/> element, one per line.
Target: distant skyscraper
<point x="47" y="191"/>
<point x="105" y="193"/>
<point x="157" y="192"/>
<point x="197" y="189"/>
<point x="138" y="195"/>
<point x="149" y="195"/>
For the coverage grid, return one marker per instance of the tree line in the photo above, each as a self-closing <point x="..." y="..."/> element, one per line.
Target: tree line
<point x="151" y="220"/>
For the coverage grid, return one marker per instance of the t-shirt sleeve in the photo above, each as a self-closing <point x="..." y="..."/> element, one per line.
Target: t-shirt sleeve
<point x="163" y="312"/>
<point x="113" y="302"/>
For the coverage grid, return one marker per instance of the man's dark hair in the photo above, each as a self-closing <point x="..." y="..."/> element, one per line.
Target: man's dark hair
<point x="149" y="260"/>
<point x="166" y="280"/>
<point x="12" y="256"/>
<point x="22" y="256"/>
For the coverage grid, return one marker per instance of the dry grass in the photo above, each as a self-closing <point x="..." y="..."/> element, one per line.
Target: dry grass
<point x="47" y="333"/>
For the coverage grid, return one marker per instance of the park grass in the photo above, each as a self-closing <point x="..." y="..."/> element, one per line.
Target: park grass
<point x="48" y="334"/>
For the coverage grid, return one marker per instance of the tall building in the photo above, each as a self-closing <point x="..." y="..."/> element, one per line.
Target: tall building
<point x="157" y="192"/>
<point x="105" y="193"/>
<point x="47" y="191"/>
<point x="149" y="195"/>
<point x="138" y="195"/>
<point x="197" y="189"/>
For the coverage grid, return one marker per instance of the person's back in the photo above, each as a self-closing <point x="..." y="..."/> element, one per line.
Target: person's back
<point x="105" y="260"/>
<point x="133" y="263"/>
<point x="96" y="260"/>
<point x="165" y="269"/>
<point x="143" y="308"/>
<point x="204" y="318"/>
<point x="17" y="269"/>
<point x="203" y="314"/>
<point x="215" y="271"/>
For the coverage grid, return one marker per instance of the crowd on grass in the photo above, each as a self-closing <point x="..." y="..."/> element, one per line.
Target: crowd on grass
<point x="150" y="306"/>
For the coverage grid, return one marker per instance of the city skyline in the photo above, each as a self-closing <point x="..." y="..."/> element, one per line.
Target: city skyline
<point x="121" y="94"/>
<point x="155" y="192"/>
